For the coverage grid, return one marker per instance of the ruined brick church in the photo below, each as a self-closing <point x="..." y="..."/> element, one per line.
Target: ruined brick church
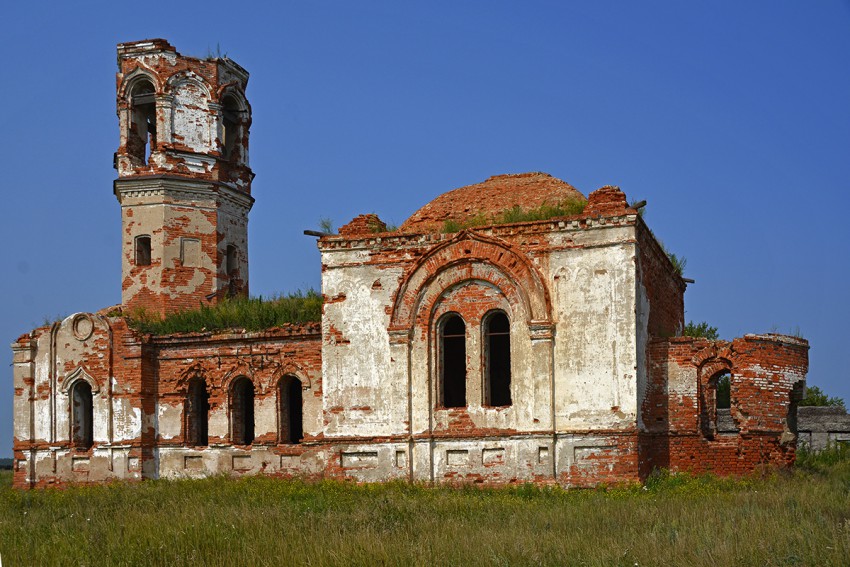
<point x="541" y="351"/>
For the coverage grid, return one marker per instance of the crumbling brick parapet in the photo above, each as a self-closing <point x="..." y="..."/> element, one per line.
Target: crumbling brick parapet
<point x="363" y="225"/>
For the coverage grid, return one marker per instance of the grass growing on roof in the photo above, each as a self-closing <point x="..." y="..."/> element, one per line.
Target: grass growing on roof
<point x="251" y="314"/>
<point x="517" y="214"/>
<point x="679" y="262"/>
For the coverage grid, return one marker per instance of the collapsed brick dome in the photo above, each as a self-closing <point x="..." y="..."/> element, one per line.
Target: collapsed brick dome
<point x="491" y="198"/>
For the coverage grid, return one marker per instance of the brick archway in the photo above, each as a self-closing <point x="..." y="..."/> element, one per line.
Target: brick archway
<point x="471" y="256"/>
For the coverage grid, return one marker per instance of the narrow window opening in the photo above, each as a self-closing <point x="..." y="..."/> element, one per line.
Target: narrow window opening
<point x="232" y="269"/>
<point x="723" y="403"/>
<point x="197" y="414"/>
<point x="794" y="398"/>
<point x="453" y="363"/>
<point x="291" y="410"/>
<point x="242" y="412"/>
<point x="230" y="261"/>
<point x="141" y="139"/>
<point x="724" y="391"/>
<point x="497" y="340"/>
<point x="143" y="250"/>
<point x="230" y="127"/>
<point x="82" y="418"/>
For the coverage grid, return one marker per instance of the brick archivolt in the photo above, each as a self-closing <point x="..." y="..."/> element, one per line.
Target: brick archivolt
<point x="264" y="377"/>
<point x="140" y="73"/>
<point x="468" y="257"/>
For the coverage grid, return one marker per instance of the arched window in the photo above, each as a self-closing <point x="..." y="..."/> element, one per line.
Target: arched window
<point x="82" y="419"/>
<point x="452" y="362"/>
<point x="242" y="412"/>
<point x="197" y="413"/>
<point x="723" y="390"/>
<point x="723" y="420"/>
<point x="141" y="139"/>
<point x="291" y="409"/>
<point x="230" y="125"/>
<point x="497" y="360"/>
<point x="143" y="250"/>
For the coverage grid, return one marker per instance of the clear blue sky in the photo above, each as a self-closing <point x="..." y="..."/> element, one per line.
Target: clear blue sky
<point x="731" y="118"/>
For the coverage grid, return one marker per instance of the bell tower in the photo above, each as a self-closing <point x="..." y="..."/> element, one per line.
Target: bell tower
<point x="184" y="184"/>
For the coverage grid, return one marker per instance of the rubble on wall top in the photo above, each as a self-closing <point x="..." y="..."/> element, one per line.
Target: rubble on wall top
<point x="363" y="225"/>
<point x="606" y="201"/>
<point x="142" y="45"/>
<point x="310" y="328"/>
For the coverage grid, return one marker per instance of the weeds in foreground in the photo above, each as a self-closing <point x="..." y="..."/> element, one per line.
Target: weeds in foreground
<point x="794" y="518"/>
<point x="250" y="314"/>
<point x="823" y="460"/>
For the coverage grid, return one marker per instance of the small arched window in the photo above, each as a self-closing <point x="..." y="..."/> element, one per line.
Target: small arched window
<point x="143" y="250"/>
<point x="82" y="418"/>
<point x="452" y="348"/>
<point x="141" y="139"/>
<point x="242" y="411"/>
<point x="291" y="409"/>
<point x="497" y="360"/>
<point x="197" y="413"/>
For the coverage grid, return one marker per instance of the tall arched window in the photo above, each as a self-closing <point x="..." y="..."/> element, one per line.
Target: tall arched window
<point x="197" y="413"/>
<point x="453" y="361"/>
<point x="724" y="423"/>
<point x="242" y="411"/>
<point x="82" y="418"/>
<point x="497" y="360"/>
<point x="230" y="125"/>
<point x="141" y="139"/>
<point x="291" y="409"/>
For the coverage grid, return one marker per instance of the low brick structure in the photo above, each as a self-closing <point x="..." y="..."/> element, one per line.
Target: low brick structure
<point x="539" y="351"/>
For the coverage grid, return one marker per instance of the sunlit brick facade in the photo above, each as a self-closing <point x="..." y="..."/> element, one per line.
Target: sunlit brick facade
<point x="541" y="351"/>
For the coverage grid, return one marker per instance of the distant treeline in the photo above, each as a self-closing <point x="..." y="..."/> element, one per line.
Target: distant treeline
<point x="6" y="464"/>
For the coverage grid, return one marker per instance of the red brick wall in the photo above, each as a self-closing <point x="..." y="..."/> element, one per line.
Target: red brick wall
<point x="263" y="357"/>
<point x="664" y="287"/>
<point x="678" y="411"/>
<point x="147" y="369"/>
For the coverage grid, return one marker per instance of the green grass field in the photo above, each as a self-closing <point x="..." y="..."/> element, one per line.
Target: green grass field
<point x="787" y="518"/>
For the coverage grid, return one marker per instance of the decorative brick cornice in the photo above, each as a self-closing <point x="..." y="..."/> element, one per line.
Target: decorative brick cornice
<point x="395" y="240"/>
<point x="161" y="187"/>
